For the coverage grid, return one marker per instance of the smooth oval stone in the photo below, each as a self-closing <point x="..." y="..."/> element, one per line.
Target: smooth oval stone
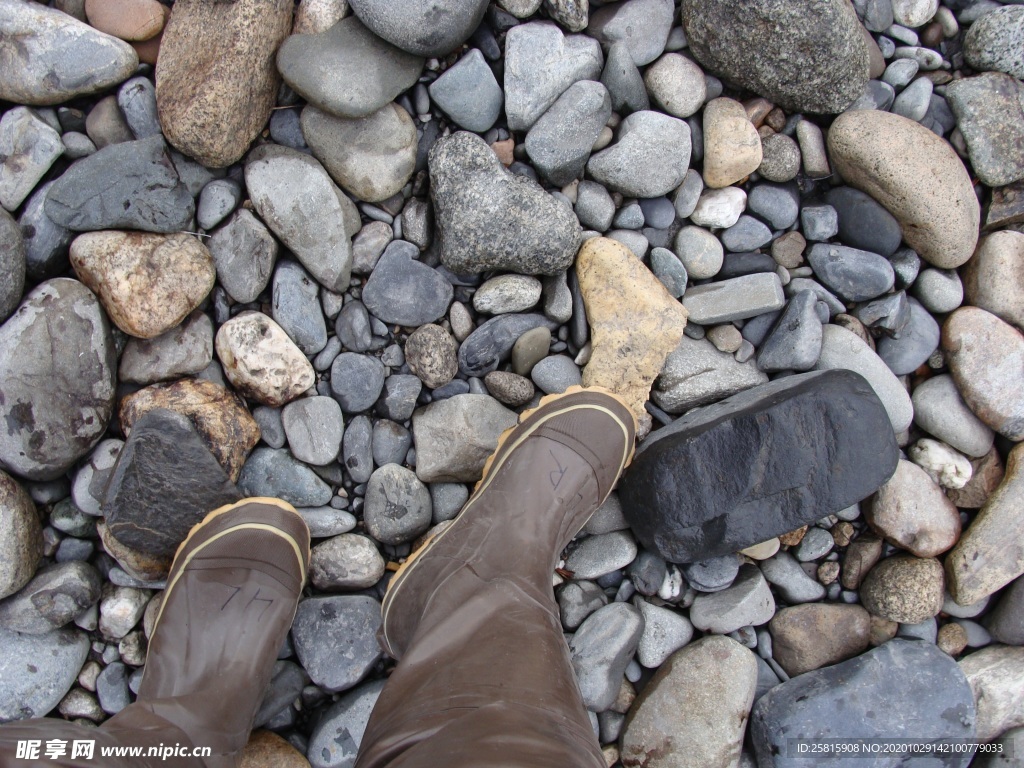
<point x="863" y="223"/>
<point x="492" y="342"/>
<point x="404" y="291"/>
<point x="365" y="71"/>
<point x="55" y="406"/>
<point x="853" y="274"/>
<point x="217" y="82"/>
<point x="296" y="307"/>
<point x="650" y="158"/>
<point x="842" y="451"/>
<point x="887" y="156"/>
<point x="50" y="57"/>
<point x="488" y="218"/>
<point x="130" y="185"/>
<point x="927" y="699"/>
<point x="270" y="472"/>
<point x="356" y="381"/>
<point x="986" y="357"/>
<point x="261" y="361"/>
<point x="841" y="348"/>
<point x="940" y="411"/>
<point x="297" y="199"/>
<point x="423" y="27"/>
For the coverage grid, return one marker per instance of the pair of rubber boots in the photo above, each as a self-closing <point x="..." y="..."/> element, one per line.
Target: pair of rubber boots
<point x="484" y="676"/>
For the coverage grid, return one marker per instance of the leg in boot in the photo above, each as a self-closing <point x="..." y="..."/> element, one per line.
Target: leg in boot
<point x="230" y="599"/>
<point x="484" y="676"/>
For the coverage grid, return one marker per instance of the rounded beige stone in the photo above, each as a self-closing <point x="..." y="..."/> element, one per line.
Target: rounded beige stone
<point x="994" y="277"/>
<point x="676" y="84"/>
<point x="732" y="147"/>
<point x="916" y="176"/>
<point x="261" y="361"/>
<point x="131" y="20"/>
<point x="903" y="588"/>
<point x="913" y="513"/>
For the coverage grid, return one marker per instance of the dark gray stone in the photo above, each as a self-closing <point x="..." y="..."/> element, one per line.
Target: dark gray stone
<point x="399" y="396"/>
<point x="739" y="264"/>
<point x="12" y="265"/>
<point x="747" y="234"/>
<point x="794" y="343"/>
<point x="270" y="472"/>
<point x="137" y="100"/>
<point x="54" y="406"/>
<point x="422" y="27"/>
<point x="864" y="223"/>
<point x="853" y="274"/>
<point x="786" y="453"/>
<point x="890" y="314"/>
<point x="314" y="427"/>
<point x="713" y="574"/>
<point x="357" y="449"/>
<point x="559" y="143"/>
<point x="112" y="688"/>
<point x="647" y="572"/>
<point x="165" y="481"/>
<point x="926" y="698"/>
<point x="46" y="243"/>
<point x="352" y="327"/>
<point x="404" y="291"/>
<point x="336" y="639"/>
<point x="492" y="342"/>
<point x="623" y="80"/>
<point x="296" y="307"/>
<point x="56" y="595"/>
<point x="334" y="742"/>
<point x="285" y="687"/>
<point x="356" y="381"/>
<point x="802" y="62"/>
<point x="244" y="252"/>
<point x="398" y="506"/>
<point x="915" y="343"/>
<point x="1006" y="621"/>
<point x="488" y="218"/>
<point x="601" y="648"/>
<point x="468" y="93"/>
<point x="131" y="185"/>
<point x="391" y="443"/>
<point x="777" y="204"/>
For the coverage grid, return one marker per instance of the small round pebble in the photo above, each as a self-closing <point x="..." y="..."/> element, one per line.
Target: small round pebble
<point x="780" y="158"/>
<point x="951" y="639"/>
<point x="726" y="338"/>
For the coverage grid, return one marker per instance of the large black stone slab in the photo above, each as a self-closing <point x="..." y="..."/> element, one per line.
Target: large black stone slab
<point x="758" y="464"/>
<point x="903" y="689"/>
<point x="165" y="481"/>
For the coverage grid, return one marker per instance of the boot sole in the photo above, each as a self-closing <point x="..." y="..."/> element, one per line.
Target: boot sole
<point x="481" y="485"/>
<point x="175" y="571"/>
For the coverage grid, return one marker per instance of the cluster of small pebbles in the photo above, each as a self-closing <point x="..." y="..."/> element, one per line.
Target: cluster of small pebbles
<point x="328" y="250"/>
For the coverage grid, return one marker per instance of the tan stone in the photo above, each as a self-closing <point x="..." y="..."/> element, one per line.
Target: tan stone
<point x="990" y="554"/>
<point x="996" y="676"/>
<point x="882" y="630"/>
<point x="986" y="358"/>
<point x="916" y="175"/>
<point x="694" y="710"/>
<point x="813" y="635"/>
<point x="951" y="638"/>
<point x="994" y="277"/>
<point x="219" y="416"/>
<point x="904" y="589"/>
<point x="913" y="513"/>
<point x="136" y="564"/>
<point x="147" y="283"/>
<point x="987" y="474"/>
<point x="268" y="750"/>
<point x="315" y="16"/>
<point x="21" y="545"/>
<point x="732" y="148"/>
<point x="133" y="20"/>
<point x="261" y="361"/>
<point x="762" y="551"/>
<point x="634" y="322"/>
<point x="216" y="80"/>
<point x="793" y="538"/>
<point x="860" y="557"/>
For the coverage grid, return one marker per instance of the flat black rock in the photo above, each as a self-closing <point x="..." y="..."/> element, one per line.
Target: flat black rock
<point x="758" y="464"/>
<point x="130" y="185"/>
<point x="903" y="689"/>
<point x="165" y="481"/>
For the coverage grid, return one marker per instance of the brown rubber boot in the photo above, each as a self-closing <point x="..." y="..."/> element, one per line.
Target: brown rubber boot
<point x="484" y="677"/>
<point x="230" y="599"/>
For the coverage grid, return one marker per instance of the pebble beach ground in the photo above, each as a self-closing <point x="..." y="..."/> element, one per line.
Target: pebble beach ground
<point x="327" y="250"/>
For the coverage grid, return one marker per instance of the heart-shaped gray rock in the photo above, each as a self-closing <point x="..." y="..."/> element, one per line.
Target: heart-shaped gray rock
<point x="489" y="219"/>
<point x="540" y="63"/>
<point x="423" y="27"/>
<point x="346" y="70"/>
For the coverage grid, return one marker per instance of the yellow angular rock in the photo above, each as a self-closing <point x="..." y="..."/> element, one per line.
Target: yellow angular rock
<point x="634" y="322"/>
